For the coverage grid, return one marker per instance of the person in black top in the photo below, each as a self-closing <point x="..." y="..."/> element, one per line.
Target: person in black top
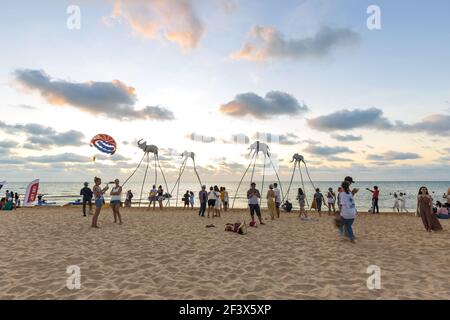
<point x="203" y="198"/>
<point x="86" y="192"/>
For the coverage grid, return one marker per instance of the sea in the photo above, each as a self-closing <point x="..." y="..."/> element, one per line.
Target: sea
<point x="61" y="193"/>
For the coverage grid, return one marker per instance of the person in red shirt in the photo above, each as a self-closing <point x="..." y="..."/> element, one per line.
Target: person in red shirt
<point x="375" y="197"/>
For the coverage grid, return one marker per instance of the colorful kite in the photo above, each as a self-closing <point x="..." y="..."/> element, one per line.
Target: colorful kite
<point x="104" y="143"/>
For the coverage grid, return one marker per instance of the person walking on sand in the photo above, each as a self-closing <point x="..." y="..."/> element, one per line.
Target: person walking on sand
<point x="425" y="211"/>
<point x="347" y="211"/>
<point x="99" y="200"/>
<point x="271" y="202"/>
<point x="301" y="197"/>
<point x="277" y="199"/>
<point x="152" y="197"/>
<point x="331" y="198"/>
<point x="253" y="197"/>
<point x="86" y="192"/>
<point x="116" y="199"/>
<point x="203" y="198"/>
<point x="396" y="203"/>
<point x="375" y="197"/>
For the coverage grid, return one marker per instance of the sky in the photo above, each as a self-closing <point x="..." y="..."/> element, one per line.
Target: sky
<point x="213" y="76"/>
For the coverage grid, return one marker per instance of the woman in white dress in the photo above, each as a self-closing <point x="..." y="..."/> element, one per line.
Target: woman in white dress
<point x="218" y="205"/>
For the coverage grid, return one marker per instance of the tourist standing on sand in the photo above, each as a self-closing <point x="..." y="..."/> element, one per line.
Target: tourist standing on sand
<point x="152" y="197"/>
<point x="347" y="211"/>
<point x="116" y="199"/>
<point x="203" y="198"/>
<point x="402" y="202"/>
<point x="331" y="198"/>
<point x="87" y="194"/>
<point x="301" y="197"/>
<point x="271" y="202"/>
<point x="253" y="197"/>
<point x="211" y="201"/>
<point x="396" y="203"/>
<point x="186" y="200"/>
<point x="226" y="199"/>
<point x="192" y="199"/>
<point x="318" y="196"/>
<point x="375" y="197"/>
<point x="218" y="204"/>
<point x="277" y="199"/>
<point x="99" y="199"/>
<point x="128" y="199"/>
<point x="350" y="182"/>
<point x="425" y="210"/>
<point x="160" y="197"/>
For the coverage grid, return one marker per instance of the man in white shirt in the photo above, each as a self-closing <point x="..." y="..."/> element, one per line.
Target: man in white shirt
<point x="253" y="197"/>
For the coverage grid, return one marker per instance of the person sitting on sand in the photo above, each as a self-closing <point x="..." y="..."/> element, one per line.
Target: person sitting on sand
<point x="442" y="212"/>
<point x="239" y="228"/>
<point x="99" y="199"/>
<point x="2" y="203"/>
<point x="331" y="198"/>
<point x="116" y="199"/>
<point x="347" y="211"/>
<point x="425" y="211"/>
<point x="186" y="200"/>
<point x="271" y="202"/>
<point x="301" y="197"/>
<point x="86" y="192"/>
<point x="253" y="197"/>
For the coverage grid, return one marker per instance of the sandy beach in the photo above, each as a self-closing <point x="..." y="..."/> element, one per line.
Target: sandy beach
<point x="172" y="255"/>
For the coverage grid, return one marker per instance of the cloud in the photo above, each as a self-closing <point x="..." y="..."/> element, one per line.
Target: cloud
<point x="372" y="118"/>
<point x="275" y="103"/>
<point x="172" y="20"/>
<point x="283" y="139"/>
<point x="42" y="137"/>
<point x="351" y="119"/>
<point x="326" y="150"/>
<point x="59" y="158"/>
<point x="7" y="144"/>
<point x="200" y="138"/>
<point x="393" y="155"/>
<point x="111" y="99"/>
<point x="348" y="137"/>
<point x="338" y="159"/>
<point x="264" y="43"/>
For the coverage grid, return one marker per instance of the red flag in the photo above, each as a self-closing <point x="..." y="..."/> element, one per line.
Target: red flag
<point x="31" y="194"/>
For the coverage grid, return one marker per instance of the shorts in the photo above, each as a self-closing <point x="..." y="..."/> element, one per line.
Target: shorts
<point x="98" y="203"/>
<point x="277" y="205"/>
<point x="114" y="202"/>
<point x="254" y="208"/>
<point x="211" y="203"/>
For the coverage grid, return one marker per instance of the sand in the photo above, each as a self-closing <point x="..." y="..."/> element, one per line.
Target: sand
<point x="172" y="255"/>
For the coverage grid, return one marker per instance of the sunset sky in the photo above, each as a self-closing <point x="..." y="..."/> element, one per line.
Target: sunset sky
<point x="212" y="76"/>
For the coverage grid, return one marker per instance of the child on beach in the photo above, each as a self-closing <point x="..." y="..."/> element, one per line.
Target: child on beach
<point x="116" y="199"/>
<point x="99" y="199"/>
<point x="347" y="211"/>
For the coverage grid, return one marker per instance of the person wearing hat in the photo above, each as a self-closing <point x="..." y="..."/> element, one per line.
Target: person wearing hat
<point x="86" y="192"/>
<point x="351" y="181"/>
